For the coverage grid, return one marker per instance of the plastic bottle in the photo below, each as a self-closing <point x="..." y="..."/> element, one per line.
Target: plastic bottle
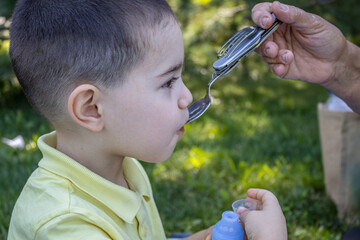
<point x="334" y="103"/>
<point x="228" y="228"/>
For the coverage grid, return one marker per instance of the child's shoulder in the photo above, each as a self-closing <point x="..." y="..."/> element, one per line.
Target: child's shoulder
<point x="42" y="198"/>
<point x="48" y="203"/>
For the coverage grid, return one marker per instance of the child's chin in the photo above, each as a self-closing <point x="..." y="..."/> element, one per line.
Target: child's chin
<point x="158" y="159"/>
<point x="167" y="157"/>
<point x="162" y="160"/>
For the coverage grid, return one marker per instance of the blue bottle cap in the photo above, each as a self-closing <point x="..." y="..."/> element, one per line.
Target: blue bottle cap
<point x="228" y="228"/>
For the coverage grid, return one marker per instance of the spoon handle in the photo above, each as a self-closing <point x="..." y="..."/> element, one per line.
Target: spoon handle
<point x="240" y="45"/>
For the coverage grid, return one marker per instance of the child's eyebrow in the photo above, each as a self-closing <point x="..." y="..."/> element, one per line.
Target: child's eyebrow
<point x="172" y="69"/>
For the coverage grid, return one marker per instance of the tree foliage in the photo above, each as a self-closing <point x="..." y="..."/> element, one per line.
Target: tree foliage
<point x="206" y="25"/>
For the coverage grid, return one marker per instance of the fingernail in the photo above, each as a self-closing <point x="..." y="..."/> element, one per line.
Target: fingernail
<point x="264" y="20"/>
<point x="267" y="51"/>
<point x="283" y="7"/>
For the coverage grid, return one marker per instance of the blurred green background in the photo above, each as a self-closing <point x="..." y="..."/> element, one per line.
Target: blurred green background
<point x="261" y="131"/>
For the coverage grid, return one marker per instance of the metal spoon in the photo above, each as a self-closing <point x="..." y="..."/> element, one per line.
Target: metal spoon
<point x="240" y="45"/>
<point x="200" y="106"/>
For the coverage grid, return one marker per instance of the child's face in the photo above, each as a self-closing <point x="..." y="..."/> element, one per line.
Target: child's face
<point x="145" y="116"/>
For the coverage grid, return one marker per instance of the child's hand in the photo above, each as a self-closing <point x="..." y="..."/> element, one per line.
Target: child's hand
<point x="268" y="221"/>
<point x="202" y="235"/>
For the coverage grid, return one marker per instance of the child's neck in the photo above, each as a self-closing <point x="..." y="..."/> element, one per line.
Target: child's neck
<point x="87" y="154"/>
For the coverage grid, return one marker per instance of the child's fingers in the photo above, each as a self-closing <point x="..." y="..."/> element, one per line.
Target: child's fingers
<point x="208" y="233"/>
<point x="266" y="197"/>
<point x="243" y="213"/>
<point x="258" y="194"/>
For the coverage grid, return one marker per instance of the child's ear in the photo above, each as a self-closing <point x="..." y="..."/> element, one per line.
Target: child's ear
<point x="84" y="108"/>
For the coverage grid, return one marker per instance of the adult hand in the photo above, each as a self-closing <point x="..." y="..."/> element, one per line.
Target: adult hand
<point x="306" y="47"/>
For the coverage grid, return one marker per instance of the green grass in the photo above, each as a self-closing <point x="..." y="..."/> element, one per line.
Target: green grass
<point x="260" y="132"/>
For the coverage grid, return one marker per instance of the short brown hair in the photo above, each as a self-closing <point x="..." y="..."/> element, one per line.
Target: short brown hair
<point x="56" y="45"/>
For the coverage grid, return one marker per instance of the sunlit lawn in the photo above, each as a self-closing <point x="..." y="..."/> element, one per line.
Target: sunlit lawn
<point x="259" y="132"/>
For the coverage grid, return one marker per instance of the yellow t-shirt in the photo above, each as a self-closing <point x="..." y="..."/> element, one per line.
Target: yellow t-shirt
<point x="64" y="200"/>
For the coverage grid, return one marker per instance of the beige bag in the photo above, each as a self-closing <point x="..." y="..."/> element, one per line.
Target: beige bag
<point x="340" y="144"/>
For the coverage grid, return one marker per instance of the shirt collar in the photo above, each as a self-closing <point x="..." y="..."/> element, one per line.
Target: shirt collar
<point x="124" y="202"/>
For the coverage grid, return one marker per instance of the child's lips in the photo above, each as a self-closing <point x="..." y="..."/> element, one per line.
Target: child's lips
<point x="181" y="130"/>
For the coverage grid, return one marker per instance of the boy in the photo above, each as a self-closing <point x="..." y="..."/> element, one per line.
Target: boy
<point x="107" y="76"/>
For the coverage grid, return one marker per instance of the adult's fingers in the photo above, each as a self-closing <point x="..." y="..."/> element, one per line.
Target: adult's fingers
<point x="280" y="65"/>
<point x="283" y="56"/>
<point x="268" y="49"/>
<point x="294" y="16"/>
<point x="279" y="69"/>
<point x="261" y="14"/>
<point x="298" y="18"/>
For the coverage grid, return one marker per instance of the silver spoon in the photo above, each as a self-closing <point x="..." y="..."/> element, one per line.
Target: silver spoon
<point x="237" y="47"/>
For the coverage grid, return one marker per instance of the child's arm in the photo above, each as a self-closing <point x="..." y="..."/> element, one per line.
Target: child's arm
<point x="266" y="223"/>
<point x="202" y="235"/>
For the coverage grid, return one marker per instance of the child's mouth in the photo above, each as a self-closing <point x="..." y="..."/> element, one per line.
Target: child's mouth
<point x="181" y="130"/>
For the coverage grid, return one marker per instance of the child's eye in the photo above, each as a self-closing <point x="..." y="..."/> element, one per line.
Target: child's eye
<point x="170" y="83"/>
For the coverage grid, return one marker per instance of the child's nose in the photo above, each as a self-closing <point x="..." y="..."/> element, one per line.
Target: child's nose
<point x="185" y="98"/>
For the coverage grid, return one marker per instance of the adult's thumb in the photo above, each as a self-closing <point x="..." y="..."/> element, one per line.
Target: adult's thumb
<point x="293" y="16"/>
